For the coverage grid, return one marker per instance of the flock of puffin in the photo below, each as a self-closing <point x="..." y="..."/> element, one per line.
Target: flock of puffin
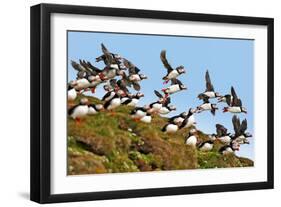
<point x="120" y="74"/>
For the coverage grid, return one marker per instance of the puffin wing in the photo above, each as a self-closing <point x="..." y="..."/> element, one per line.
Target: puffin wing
<point x="236" y="125"/>
<point x="107" y="54"/>
<point x="243" y="126"/>
<point x="93" y="68"/>
<point x="132" y="68"/>
<point x="209" y="86"/>
<point x="235" y="101"/>
<point x="165" y="61"/>
<point x="158" y="94"/>
<point x="175" y="81"/>
<point x="136" y="86"/>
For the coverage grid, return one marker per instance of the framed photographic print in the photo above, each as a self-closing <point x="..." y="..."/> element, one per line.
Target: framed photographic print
<point x="132" y="103"/>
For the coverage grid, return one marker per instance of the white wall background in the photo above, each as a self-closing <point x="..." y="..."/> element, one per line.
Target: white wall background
<point x="14" y="101"/>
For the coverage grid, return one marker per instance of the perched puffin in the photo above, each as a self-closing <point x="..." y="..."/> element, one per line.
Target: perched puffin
<point x="175" y="87"/>
<point x="207" y="106"/>
<point x="240" y="136"/>
<point x="109" y="95"/>
<point x="138" y="113"/>
<point x="154" y="107"/>
<point x="229" y="149"/>
<point x="80" y="110"/>
<point x="222" y="134"/>
<point x="133" y="100"/>
<point x="234" y="106"/>
<point x="170" y="128"/>
<point x="113" y="103"/>
<point x="189" y="120"/>
<point x="171" y="73"/>
<point x="191" y="138"/>
<point x="146" y="119"/>
<point x="71" y="92"/>
<point x="206" y="146"/>
<point x="167" y="109"/>
<point x="209" y="92"/>
<point x="94" y="108"/>
<point x="178" y="119"/>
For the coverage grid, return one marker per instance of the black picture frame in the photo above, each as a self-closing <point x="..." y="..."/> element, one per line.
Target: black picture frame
<point x="41" y="96"/>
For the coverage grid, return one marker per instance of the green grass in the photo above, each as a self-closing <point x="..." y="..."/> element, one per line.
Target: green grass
<point x="105" y="143"/>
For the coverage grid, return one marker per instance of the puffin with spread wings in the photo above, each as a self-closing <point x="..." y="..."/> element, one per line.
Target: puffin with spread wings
<point x="210" y="91"/>
<point x="171" y="72"/>
<point x="234" y="104"/>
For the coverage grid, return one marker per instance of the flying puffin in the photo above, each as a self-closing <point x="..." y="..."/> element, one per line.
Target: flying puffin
<point x="138" y="113"/>
<point x="154" y="107"/>
<point x="171" y="73"/>
<point x="133" y="100"/>
<point x="240" y="136"/>
<point x="176" y="86"/>
<point x="80" y="110"/>
<point x="222" y="134"/>
<point x="224" y="98"/>
<point x="170" y="128"/>
<point x="134" y="75"/>
<point x="178" y="119"/>
<point x="206" y="146"/>
<point x="230" y="148"/>
<point x="94" y="108"/>
<point x="207" y="106"/>
<point x="191" y="138"/>
<point x="189" y="120"/>
<point x="234" y="106"/>
<point x="113" y="103"/>
<point x="209" y="92"/>
<point x="71" y="92"/>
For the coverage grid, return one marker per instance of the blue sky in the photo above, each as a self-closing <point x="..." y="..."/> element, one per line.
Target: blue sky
<point x="229" y="61"/>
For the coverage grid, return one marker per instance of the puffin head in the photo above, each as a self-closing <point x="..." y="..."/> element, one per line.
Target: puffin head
<point x="180" y="69"/>
<point x="142" y="76"/>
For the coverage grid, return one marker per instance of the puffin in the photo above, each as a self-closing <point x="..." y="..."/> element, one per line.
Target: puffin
<point x="165" y="109"/>
<point x="133" y="100"/>
<point x="82" y="84"/>
<point x="138" y="113"/>
<point x="94" y="108"/>
<point x="170" y="128"/>
<point x="154" y="107"/>
<point x="207" y="106"/>
<point x="178" y="119"/>
<point x="210" y="91"/>
<point x="176" y="86"/>
<point x="171" y="73"/>
<point x="189" y="120"/>
<point x="240" y="136"/>
<point x="71" y="91"/>
<point x="134" y="75"/>
<point x="234" y="106"/>
<point x="147" y="118"/>
<point x="230" y="148"/>
<point x="191" y="138"/>
<point x="113" y="103"/>
<point x="206" y="146"/>
<point x="109" y="95"/>
<point x="224" y="98"/>
<point x="222" y="134"/>
<point x="80" y="110"/>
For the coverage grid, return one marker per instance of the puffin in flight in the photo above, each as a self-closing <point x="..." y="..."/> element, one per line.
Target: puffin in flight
<point x="230" y="148"/>
<point x="207" y="106"/>
<point x="234" y="105"/>
<point x="240" y="136"/>
<point x="171" y="72"/>
<point x="209" y="92"/>
<point x="175" y="87"/>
